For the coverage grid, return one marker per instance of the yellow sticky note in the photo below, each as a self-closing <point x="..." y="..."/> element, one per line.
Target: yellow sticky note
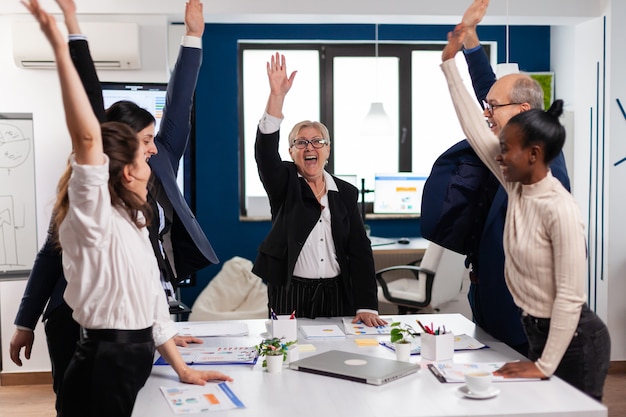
<point x="306" y="348"/>
<point x="366" y="342"/>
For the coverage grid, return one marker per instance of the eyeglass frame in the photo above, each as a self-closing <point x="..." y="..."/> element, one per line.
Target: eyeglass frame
<point x="490" y="108"/>
<point x="320" y="141"/>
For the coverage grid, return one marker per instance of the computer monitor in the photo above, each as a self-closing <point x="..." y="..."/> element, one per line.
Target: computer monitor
<point x="398" y="193"/>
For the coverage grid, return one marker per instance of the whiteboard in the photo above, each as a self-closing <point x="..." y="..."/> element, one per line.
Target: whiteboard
<point x="18" y="209"/>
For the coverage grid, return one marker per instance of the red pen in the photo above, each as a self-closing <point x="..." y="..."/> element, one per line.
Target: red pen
<point x="293" y="315"/>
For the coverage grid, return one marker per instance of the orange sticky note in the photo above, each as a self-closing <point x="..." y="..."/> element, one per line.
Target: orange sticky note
<point x="366" y="342"/>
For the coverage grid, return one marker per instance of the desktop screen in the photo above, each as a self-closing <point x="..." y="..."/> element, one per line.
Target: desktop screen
<point x="399" y="193"/>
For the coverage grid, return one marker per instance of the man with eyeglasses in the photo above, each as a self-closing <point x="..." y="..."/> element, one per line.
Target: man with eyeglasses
<point x="316" y="259"/>
<point x="480" y="230"/>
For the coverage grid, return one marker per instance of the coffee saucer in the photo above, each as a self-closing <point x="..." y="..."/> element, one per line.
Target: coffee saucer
<point x="492" y="392"/>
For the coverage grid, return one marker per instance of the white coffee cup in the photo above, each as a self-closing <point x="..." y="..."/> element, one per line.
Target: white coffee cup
<point x="478" y="382"/>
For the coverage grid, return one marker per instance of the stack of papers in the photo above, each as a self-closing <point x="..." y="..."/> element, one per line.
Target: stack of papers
<point x="216" y="355"/>
<point x="212" y="329"/>
<point x="187" y="399"/>
<point x="322" y="331"/>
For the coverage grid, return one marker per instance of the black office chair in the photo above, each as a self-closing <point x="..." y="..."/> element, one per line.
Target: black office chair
<point x="436" y="280"/>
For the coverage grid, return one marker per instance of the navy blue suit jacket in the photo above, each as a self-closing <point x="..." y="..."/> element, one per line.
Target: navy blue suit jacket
<point x="295" y="210"/>
<point x="192" y="250"/>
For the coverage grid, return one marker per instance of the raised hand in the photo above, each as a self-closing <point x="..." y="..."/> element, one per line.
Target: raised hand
<point x="68" y="7"/>
<point x="455" y="42"/>
<point x="280" y="84"/>
<point x="46" y="22"/>
<point x="194" y="18"/>
<point x="475" y="13"/>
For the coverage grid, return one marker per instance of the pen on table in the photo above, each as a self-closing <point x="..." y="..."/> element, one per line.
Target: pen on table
<point x="293" y="315"/>
<point x="422" y="326"/>
<point x="273" y="315"/>
<point x="436" y="372"/>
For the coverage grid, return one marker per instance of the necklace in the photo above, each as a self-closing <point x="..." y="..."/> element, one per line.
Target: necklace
<point x="321" y="191"/>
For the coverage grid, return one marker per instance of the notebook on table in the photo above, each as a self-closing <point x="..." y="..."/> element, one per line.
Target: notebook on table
<point x="355" y="367"/>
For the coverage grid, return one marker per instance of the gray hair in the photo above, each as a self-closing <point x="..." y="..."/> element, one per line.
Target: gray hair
<point x="320" y="127"/>
<point x="527" y="90"/>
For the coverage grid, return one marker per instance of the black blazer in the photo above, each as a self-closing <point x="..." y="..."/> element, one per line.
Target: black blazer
<point x="295" y="210"/>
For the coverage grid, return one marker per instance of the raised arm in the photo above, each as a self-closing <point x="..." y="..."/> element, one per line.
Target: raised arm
<point x="81" y="56"/>
<point x="478" y="64"/>
<point x="280" y="85"/>
<point x="81" y="122"/>
<point x="173" y="135"/>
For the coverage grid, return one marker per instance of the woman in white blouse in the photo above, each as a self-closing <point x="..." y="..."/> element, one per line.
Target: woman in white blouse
<point x="112" y="276"/>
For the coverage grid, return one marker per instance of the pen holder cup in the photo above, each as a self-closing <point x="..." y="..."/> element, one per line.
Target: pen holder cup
<point x="284" y="327"/>
<point x="437" y="347"/>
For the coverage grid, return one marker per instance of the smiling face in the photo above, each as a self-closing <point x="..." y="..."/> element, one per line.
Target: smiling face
<point x="310" y="161"/>
<point x="138" y="174"/>
<point x="499" y="97"/>
<point x="146" y="139"/>
<point x="516" y="161"/>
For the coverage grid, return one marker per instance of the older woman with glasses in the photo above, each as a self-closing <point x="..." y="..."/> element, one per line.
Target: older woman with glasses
<point x="316" y="259"/>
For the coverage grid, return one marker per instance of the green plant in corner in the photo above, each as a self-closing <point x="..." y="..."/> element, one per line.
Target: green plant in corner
<point x="402" y="333"/>
<point x="273" y="347"/>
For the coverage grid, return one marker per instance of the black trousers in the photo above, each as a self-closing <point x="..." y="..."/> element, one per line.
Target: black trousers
<point x="586" y="360"/>
<point x="62" y="335"/>
<point x="311" y="298"/>
<point x="106" y="373"/>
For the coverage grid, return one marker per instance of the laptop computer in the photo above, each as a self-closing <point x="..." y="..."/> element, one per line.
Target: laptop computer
<point x="355" y="367"/>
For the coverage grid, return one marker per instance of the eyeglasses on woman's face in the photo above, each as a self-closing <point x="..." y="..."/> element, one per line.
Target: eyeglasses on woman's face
<point x="317" y="143"/>
<point x="490" y="108"/>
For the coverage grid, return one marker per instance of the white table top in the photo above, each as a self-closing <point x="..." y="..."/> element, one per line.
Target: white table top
<point x="294" y="393"/>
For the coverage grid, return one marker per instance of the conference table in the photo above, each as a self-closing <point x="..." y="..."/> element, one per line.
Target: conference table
<point x="295" y="393"/>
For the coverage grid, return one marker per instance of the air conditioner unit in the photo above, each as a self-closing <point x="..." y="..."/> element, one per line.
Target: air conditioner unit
<point x="113" y="45"/>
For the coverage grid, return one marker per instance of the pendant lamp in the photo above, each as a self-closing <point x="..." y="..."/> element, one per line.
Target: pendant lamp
<point x="376" y="122"/>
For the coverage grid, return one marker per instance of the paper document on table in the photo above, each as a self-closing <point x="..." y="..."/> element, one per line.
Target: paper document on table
<point x="360" y="329"/>
<point x="188" y="399"/>
<point x="215" y="355"/>
<point x="322" y="331"/>
<point x="216" y="328"/>
<point x="381" y="241"/>
<point x="455" y="372"/>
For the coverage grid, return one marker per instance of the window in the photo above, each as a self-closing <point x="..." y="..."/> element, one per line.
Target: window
<point x="335" y="84"/>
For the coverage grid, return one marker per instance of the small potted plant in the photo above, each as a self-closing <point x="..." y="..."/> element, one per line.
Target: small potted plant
<point x="401" y="335"/>
<point x="274" y="350"/>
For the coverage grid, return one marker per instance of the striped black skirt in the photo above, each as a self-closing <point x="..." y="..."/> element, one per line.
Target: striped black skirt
<point x="324" y="297"/>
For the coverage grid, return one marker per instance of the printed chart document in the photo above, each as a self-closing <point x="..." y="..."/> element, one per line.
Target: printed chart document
<point x="216" y="355"/>
<point x="455" y="372"/>
<point x="360" y="329"/>
<point x="461" y="342"/>
<point x="212" y="329"/>
<point x="321" y="331"/>
<point x="188" y="399"/>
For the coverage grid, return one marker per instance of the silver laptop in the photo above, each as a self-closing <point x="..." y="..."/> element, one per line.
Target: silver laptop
<point x="355" y="367"/>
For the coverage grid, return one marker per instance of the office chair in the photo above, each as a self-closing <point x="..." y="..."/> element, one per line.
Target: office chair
<point x="436" y="280"/>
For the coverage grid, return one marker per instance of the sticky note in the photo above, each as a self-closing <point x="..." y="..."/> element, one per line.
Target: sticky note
<point x="366" y="342"/>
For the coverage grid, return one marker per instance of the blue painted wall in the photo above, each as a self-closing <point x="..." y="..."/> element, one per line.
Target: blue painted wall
<point x="217" y="135"/>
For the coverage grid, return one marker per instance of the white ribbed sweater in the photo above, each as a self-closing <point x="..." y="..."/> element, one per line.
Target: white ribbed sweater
<point x="544" y="241"/>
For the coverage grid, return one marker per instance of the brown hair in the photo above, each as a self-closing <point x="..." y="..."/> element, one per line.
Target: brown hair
<point x="121" y="145"/>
